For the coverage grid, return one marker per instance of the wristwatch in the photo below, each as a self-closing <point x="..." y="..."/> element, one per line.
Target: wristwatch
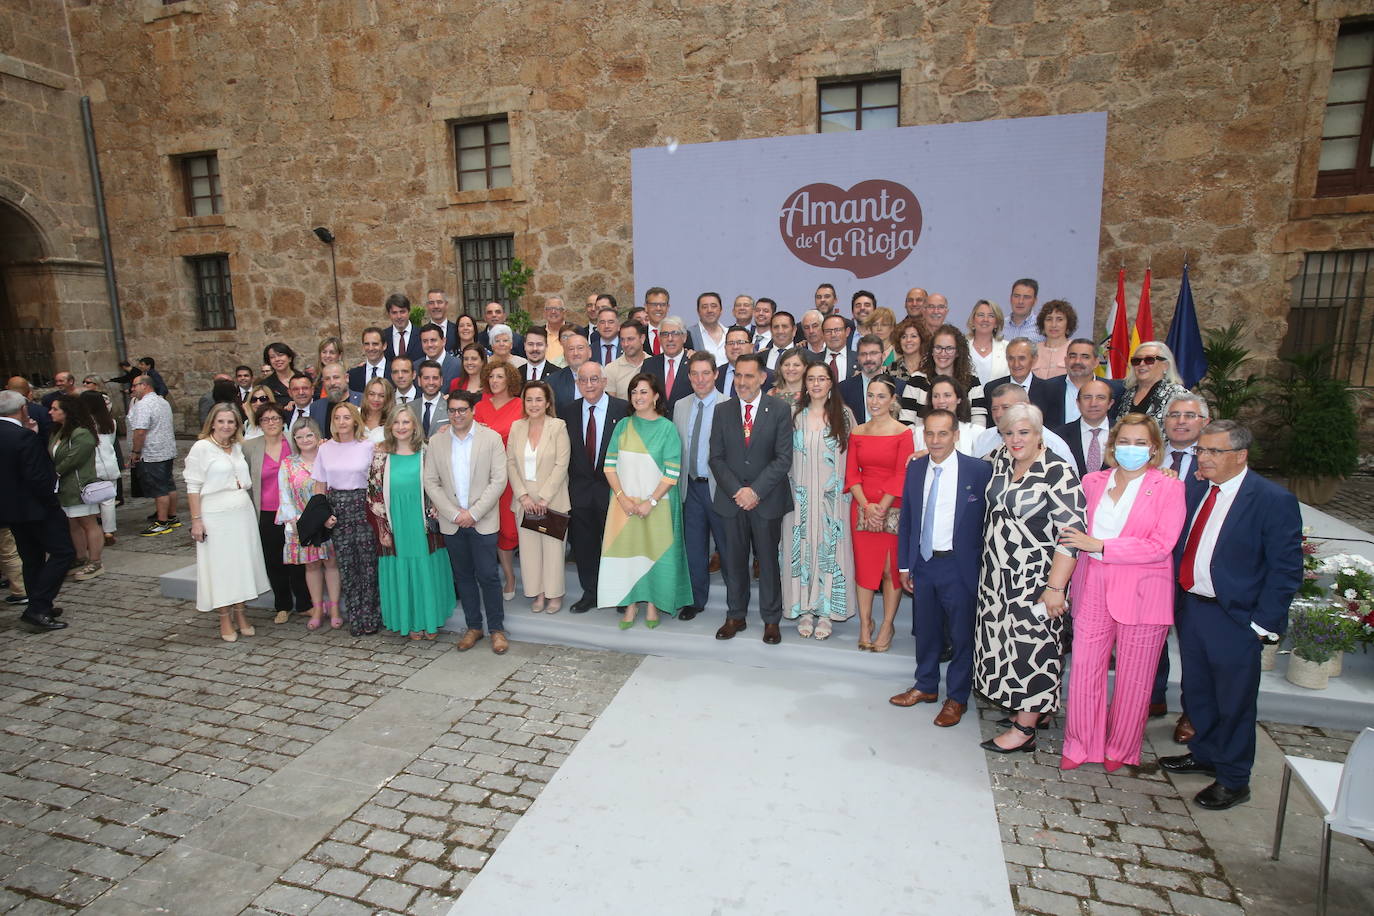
<point x="653" y="502"/>
<point x="1269" y="640"/>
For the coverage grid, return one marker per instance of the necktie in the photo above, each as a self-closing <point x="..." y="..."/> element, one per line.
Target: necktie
<point x="672" y="374"/>
<point x="1178" y="461"/>
<point x="1094" y="452"/>
<point x="401" y="350"/>
<point x="534" y="373"/>
<point x="607" y="360"/>
<point x="834" y="368"/>
<point x="1185" y="567"/>
<point x="374" y="375"/>
<point x="928" y="516"/>
<point x="695" y="470"/>
<point x="748" y="421"/>
<point x="591" y="435"/>
<point x="425" y="420"/>
<point x="405" y="398"/>
<point x="656" y="347"/>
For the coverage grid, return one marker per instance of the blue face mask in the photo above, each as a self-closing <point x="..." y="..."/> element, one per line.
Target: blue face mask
<point x="1132" y="457"/>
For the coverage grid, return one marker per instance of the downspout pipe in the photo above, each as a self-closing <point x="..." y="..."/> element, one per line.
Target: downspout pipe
<point x="98" y="190"/>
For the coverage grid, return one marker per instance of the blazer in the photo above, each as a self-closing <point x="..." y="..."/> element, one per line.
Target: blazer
<point x="1136" y="572"/>
<point x="683" y="418"/>
<point x="74" y="461"/>
<point x="488" y="479"/>
<point x="1040" y="396"/>
<point x="697" y="339"/>
<point x="854" y="392"/>
<point x="319" y="411"/>
<point x="970" y="508"/>
<point x="1257" y="564"/>
<point x="254" y="451"/>
<point x="1072" y="434"/>
<point x="413" y="348"/>
<point x="720" y="380"/>
<point x="379" y="504"/>
<point x="1055" y="389"/>
<point x="598" y="352"/>
<point x="30" y="491"/>
<point x="587" y="485"/>
<point x="564" y="385"/>
<point x="358" y="379"/>
<point x="551" y="458"/>
<point x="658" y="365"/>
<point x="762" y="464"/>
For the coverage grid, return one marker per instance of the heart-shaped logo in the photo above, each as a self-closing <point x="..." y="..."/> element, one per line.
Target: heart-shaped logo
<point x="867" y="230"/>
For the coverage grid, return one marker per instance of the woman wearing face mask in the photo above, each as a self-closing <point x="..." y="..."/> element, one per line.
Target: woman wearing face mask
<point x="1123" y="589"/>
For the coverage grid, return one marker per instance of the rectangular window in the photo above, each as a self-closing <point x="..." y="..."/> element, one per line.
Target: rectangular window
<point x="864" y="104"/>
<point x="482" y="261"/>
<point x="200" y="178"/>
<point x="1333" y="305"/>
<point x="1347" y="157"/>
<point x="482" y="150"/>
<point x="214" y="293"/>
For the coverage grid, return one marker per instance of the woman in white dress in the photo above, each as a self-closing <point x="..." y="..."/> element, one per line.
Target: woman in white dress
<point x="229" y="567"/>
<point x="987" y="349"/>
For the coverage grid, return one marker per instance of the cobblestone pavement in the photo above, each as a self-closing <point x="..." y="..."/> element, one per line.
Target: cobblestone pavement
<point x="1354" y="501"/>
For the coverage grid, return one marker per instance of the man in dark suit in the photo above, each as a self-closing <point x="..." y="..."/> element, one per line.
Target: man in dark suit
<point x="450" y="366"/>
<point x="436" y="311"/>
<point x="402" y="336"/>
<point x="939" y="544"/>
<point x="782" y="328"/>
<point x="854" y="390"/>
<point x="604" y="337"/>
<point x="1020" y="359"/>
<point x="36" y="411"/>
<point x="29" y="508"/>
<point x="564" y="381"/>
<point x="375" y="363"/>
<point x="1087" y="436"/>
<point x="751" y="454"/>
<point x="336" y="391"/>
<point x="1080" y="359"/>
<point x="590" y="420"/>
<point x="537" y="368"/>
<point x="1239" y="565"/>
<point x="302" y="391"/>
<point x="738" y="342"/>
<point x="495" y="313"/>
<point x="838" y="353"/>
<point x="670" y="366"/>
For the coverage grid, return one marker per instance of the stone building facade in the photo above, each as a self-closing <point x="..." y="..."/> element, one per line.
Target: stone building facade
<point x="341" y="113"/>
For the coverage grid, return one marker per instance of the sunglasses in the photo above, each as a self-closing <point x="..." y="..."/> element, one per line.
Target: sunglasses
<point x="259" y="400"/>
<point x="1147" y="360"/>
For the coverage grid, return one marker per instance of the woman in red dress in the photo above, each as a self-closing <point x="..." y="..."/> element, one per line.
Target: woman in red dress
<point x="874" y="475"/>
<point x="499" y="409"/>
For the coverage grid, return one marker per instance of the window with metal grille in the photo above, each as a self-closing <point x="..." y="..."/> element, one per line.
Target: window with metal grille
<point x="200" y="179"/>
<point x="863" y="104"/>
<point x="214" y="294"/>
<point x="1347" y="156"/>
<point x="1333" y="305"/>
<point x="482" y="149"/>
<point x="481" y="261"/>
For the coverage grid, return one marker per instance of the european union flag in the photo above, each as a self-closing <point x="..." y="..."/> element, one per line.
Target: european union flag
<point x="1185" y="337"/>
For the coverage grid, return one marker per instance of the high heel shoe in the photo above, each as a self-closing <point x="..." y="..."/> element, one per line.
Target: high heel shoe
<point x="245" y="627"/>
<point x="1068" y="763"/>
<point x="1026" y="748"/>
<point x="226" y="623"/>
<point x="335" y="621"/>
<point x="554" y="606"/>
<point x="652" y="624"/>
<point x="1111" y="766"/>
<point x="1044" y="722"/>
<point x="866" y="638"/>
<point x="632" y="613"/>
<point x="314" y="622"/>
<point x="881" y="646"/>
<point x="806" y="626"/>
<point x="538" y="605"/>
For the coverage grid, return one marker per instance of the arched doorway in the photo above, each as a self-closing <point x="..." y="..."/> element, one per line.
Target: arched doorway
<point x="28" y="299"/>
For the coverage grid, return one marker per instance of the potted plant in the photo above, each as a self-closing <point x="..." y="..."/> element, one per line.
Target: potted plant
<point x="1352" y="594"/>
<point x="1314" y="427"/>
<point x="1314" y="633"/>
<point x="1226" y="390"/>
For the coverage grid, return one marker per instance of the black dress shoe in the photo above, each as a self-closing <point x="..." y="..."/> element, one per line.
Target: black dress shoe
<point x="946" y="653"/>
<point x="1217" y="797"/>
<point x="581" y="605"/>
<point x="688" y="613"/>
<point x="55" y="612"/>
<point x="1186" y="763"/>
<point x="772" y="634"/>
<point x="41" y="622"/>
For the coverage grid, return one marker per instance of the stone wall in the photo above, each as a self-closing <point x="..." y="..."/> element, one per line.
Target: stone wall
<point x="334" y="113"/>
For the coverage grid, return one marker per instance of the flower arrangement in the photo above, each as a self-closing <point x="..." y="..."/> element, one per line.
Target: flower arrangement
<point x="1352" y="596"/>
<point x="1311" y="568"/>
<point x="1314" y="631"/>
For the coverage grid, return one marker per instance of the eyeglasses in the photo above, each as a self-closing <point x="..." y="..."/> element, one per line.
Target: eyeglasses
<point x="944" y="349"/>
<point x="259" y="400"/>
<point x="464" y="409"/>
<point x="1176" y="415"/>
<point x="1147" y="360"/>
<point x="1214" y="452"/>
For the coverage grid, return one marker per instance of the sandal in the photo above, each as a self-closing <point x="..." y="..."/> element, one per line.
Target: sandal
<point x="1025" y="747"/>
<point x="314" y="622"/>
<point x="806" y="625"/>
<point x="335" y="621"/>
<point x="282" y="617"/>
<point x="866" y="637"/>
<point x="823" y="628"/>
<point x="416" y="636"/>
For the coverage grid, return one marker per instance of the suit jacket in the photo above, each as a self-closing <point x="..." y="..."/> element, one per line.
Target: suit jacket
<point x="1072" y="434"/>
<point x="1257" y="564"/>
<point x="450" y="336"/>
<point x="762" y="464"/>
<point x="254" y="450"/>
<point x="487" y="468"/>
<point x="1055" y="389"/>
<point x="30" y="491"/>
<point x="1040" y="396"/>
<point x="854" y="391"/>
<point x="517" y="342"/>
<point x="358" y="375"/>
<point x="697" y="340"/>
<point x="319" y="411"/>
<point x="564" y="385"/>
<point x="413" y="348"/>
<point x="720" y="381"/>
<point x="598" y="354"/>
<point x="547" y="370"/>
<point x="587" y="486"/>
<point x="1136" y="572"/>
<point x="970" y="507"/>
<point x="658" y="365"/>
<point x="40" y="415"/>
<point x="438" y="416"/>
<point x="551" y="457"/>
<point x="851" y="361"/>
<point x="683" y="417"/>
<point x="452" y="367"/>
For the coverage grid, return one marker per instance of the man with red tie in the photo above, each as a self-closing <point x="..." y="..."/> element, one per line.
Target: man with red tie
<point x="656" y="308"/>
<point x="1239" y="565"/>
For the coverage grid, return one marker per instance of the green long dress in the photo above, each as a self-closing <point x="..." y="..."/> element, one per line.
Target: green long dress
<point x="416" y="585"/>
<point x="642" y="559"/>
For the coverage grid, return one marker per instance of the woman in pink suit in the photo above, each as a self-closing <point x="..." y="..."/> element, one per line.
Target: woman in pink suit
<point x="1122" y="593"/>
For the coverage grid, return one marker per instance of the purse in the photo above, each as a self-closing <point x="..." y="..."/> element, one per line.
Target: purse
<point x="95" y="493"/>
<point x="891" y="523"/>
<point x="552" y="522"/>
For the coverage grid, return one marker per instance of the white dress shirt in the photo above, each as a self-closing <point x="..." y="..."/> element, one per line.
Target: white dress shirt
<point x="943" y="536"/>
<point x="1189" y="463"/>
<point x="438" y="411"/>
<point x="396" y="338"/>
<point x="1071" y="411"/>
<point x="405" y="397"/>
<point x="600" y="407"/>
<point x="1110" y="516"/>
<point x="533" y="371"/>
<point x="374" y="370"/>
<point x="460" y="454"/>
<point x="841" y="358"/>
<point x="714" y="346"/>
<point x="753" y="414"/>
<point x="1207" y="545"/>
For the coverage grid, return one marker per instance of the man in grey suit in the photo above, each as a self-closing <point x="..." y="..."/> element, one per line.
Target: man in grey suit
<point x="751" y="454"/>
<point x="694" y="416"/>
<point x="465" y="475"/>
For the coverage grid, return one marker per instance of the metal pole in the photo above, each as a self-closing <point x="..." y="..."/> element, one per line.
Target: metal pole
<point x="334" y="269"/>
<point x="97" y="188"/>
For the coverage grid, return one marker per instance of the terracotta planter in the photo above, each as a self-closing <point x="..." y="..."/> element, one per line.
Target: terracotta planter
<point x="1315" y="491"/>
<point x="1303" y="673"/>
<point x="1333" y="664"/>
<point x="1269" y="657"/>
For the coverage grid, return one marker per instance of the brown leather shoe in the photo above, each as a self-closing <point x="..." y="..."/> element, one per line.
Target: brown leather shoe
<point x="714" y="565"/>
<point x="469" y="639"/>
<point x="1184" y="731"/>
<point x="772" y="634"/>
<point x="912" y="697"/>
<point x="499" y="643"/>
<point x="731" y="626"/>
<point x="950" y="713"/>
<point x="1159" y="710"/>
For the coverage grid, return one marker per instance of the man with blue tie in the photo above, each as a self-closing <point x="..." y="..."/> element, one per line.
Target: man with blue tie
<point x="605" y="336"/>
<point x="1239" y="565"/>
<point x="701" y="524"/>
<point x="939" y="545"/>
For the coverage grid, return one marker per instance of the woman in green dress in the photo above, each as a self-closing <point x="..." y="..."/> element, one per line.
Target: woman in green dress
<point x="642" y="558"/>
<point x="413" y="574"/>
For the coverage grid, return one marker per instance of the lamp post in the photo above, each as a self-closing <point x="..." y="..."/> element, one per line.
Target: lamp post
<point x="324" y="235"/>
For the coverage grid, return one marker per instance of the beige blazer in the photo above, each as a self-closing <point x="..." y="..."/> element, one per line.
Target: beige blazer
<point x="488" y="469"/>
<point x="253" y="452"/>
<point x="551" y="457"/>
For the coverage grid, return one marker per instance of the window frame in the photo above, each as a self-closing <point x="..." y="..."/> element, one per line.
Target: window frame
<point x="1360" y="179"/>
<point x="474" y="291"/>
<point x="456" y="128"/>
<point x="858" y="83"/>
<point x="1332" y="304"/>
<point x="189" y="197"/>
<point x="220" y="317"/>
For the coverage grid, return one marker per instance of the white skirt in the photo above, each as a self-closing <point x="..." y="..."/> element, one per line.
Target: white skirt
<point x="229" y="565"/>
<point x="80" y="510"/>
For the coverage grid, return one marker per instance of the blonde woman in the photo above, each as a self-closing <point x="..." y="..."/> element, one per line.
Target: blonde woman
<point x="537" y="467"/>
<point x="987" y="349"/>
<point x="379" y="400"/>
<point x="229" y="566"/>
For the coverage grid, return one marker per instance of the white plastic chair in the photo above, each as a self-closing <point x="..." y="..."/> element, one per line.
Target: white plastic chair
<point x="1346" y="800"/>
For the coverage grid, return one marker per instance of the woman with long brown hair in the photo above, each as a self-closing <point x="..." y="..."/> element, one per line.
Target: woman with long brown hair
<point x="946" y="353"/>
<point x="498" y="410"/>
<point x="73" y="444"/>
<point x="379" y="400"/>
<point x="107" y="464"/>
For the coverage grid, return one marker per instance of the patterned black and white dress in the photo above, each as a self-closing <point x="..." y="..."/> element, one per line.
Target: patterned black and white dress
<point x="1017" y="660"/>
